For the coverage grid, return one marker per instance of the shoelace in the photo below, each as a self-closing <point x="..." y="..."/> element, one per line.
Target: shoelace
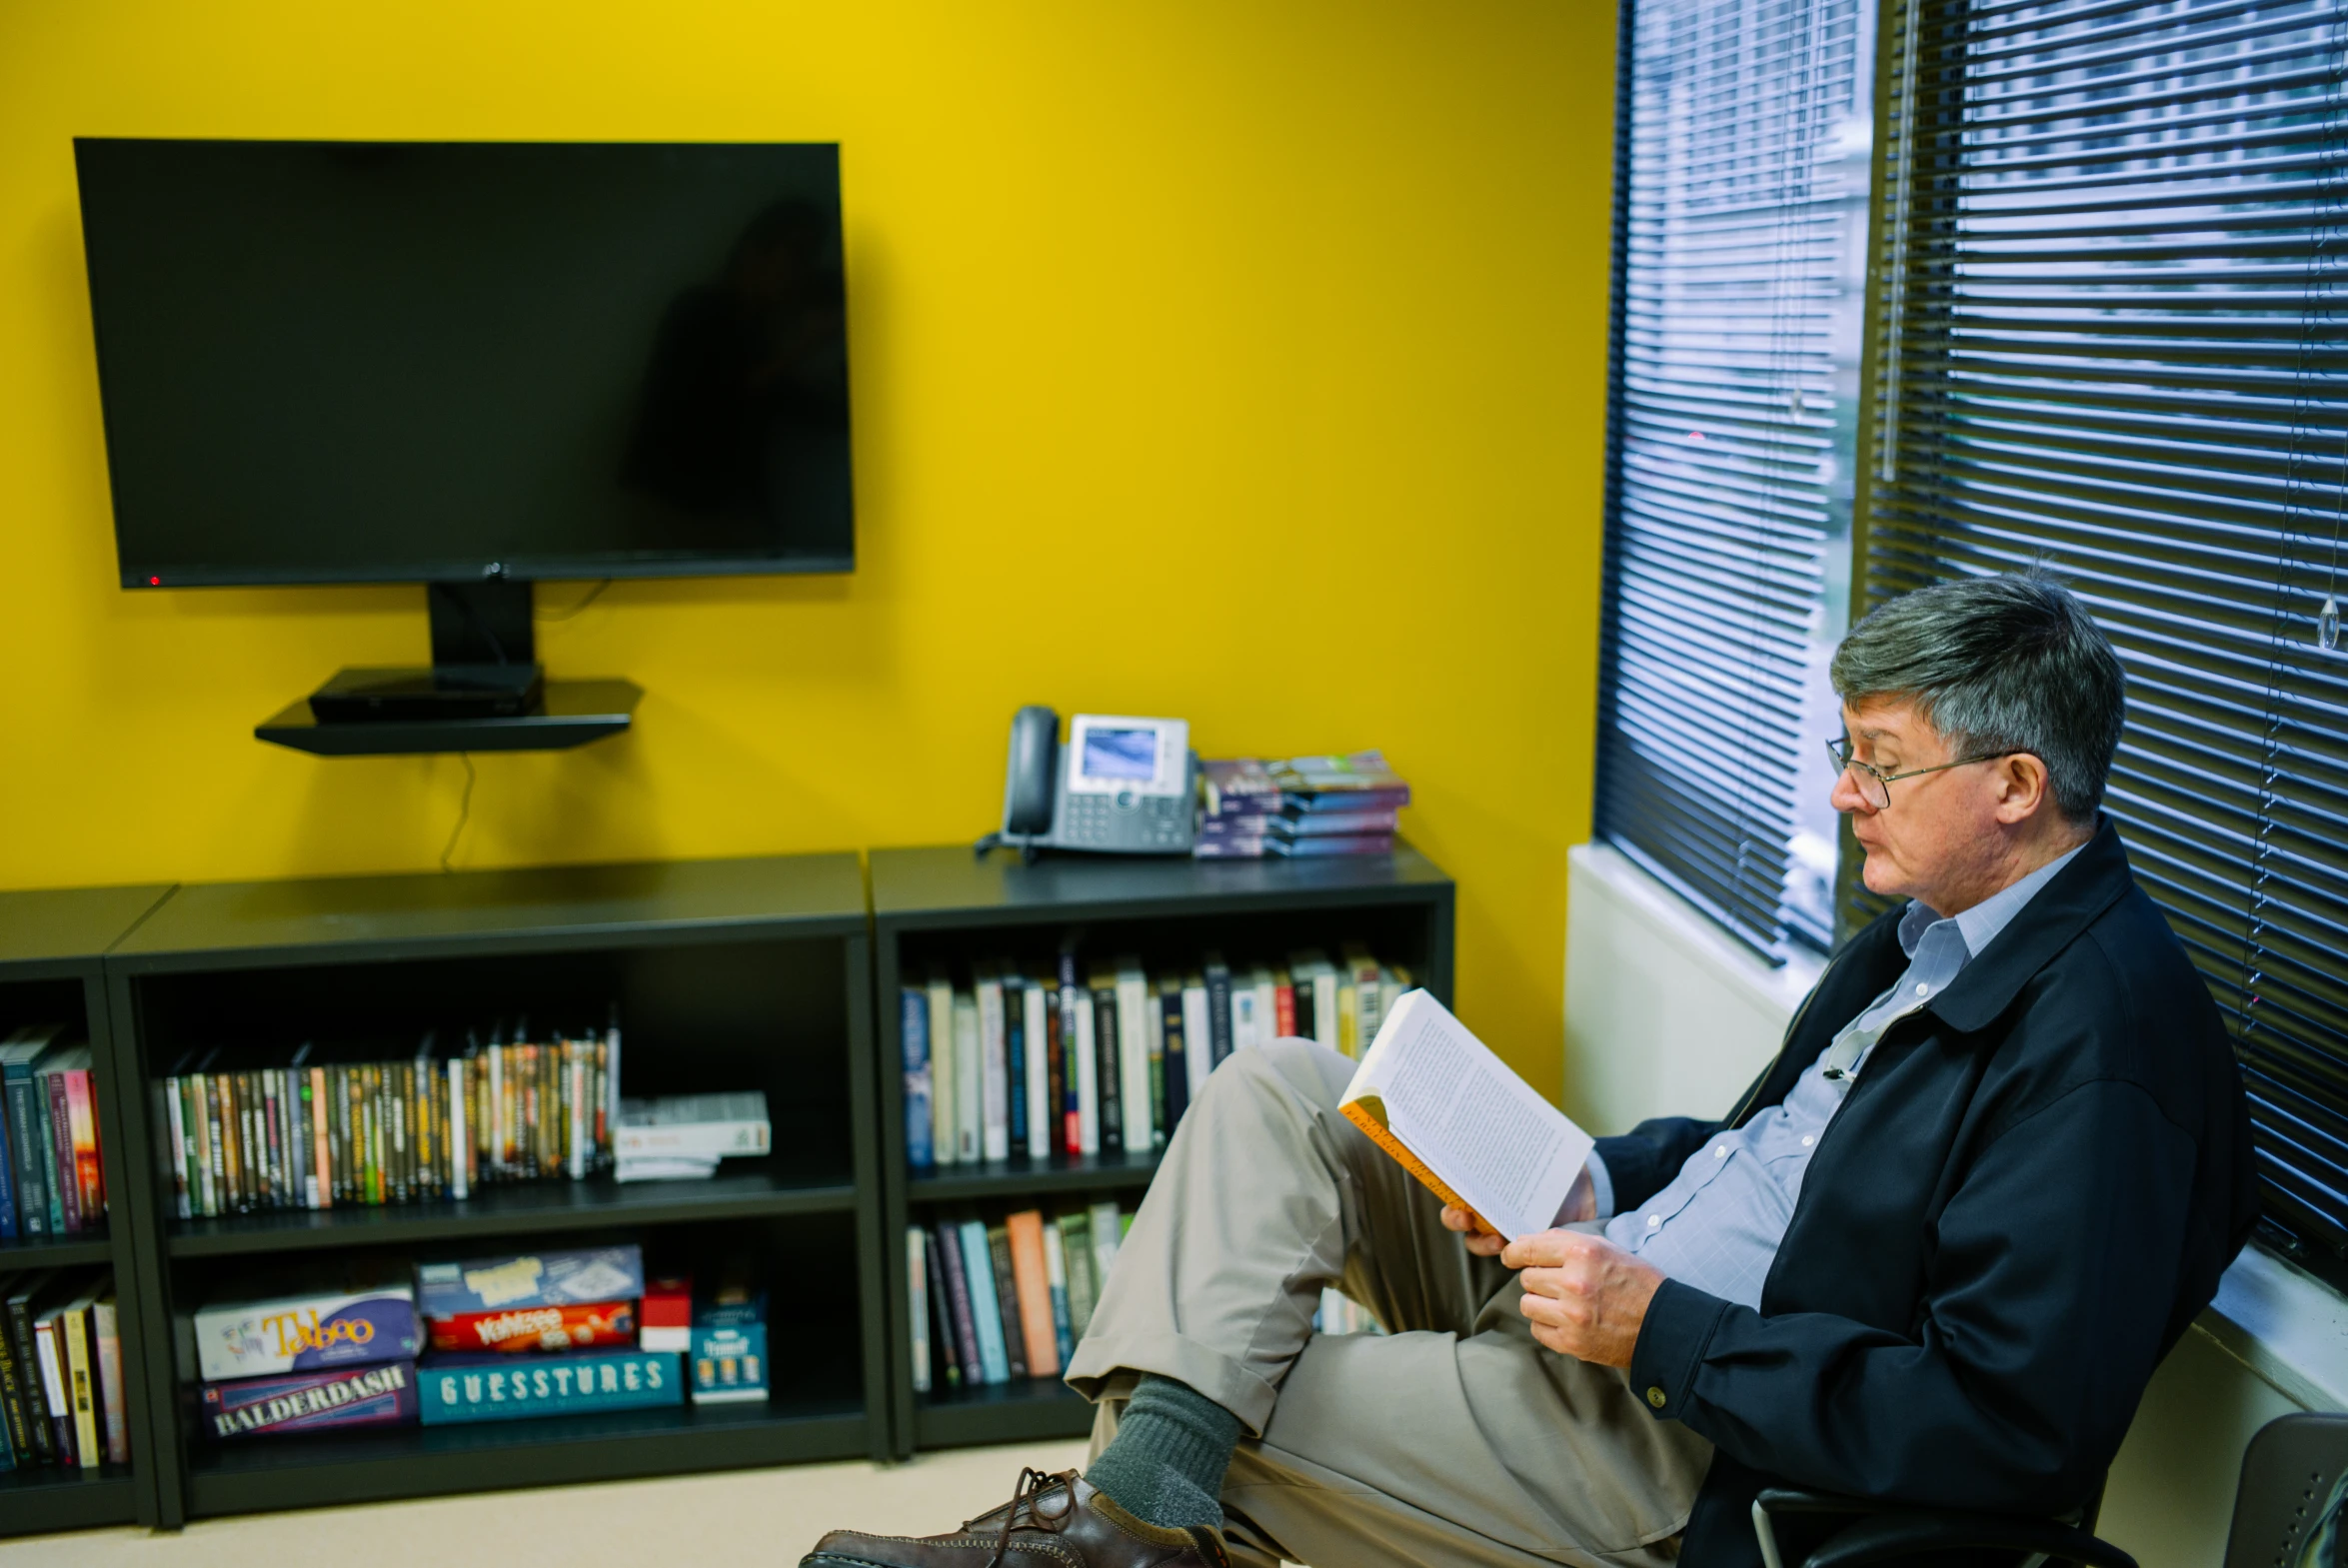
<point x="1033" y="1484"/>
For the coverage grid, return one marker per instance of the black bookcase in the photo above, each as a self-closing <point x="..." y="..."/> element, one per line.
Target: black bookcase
<point x="52" y="946"/>
<point x="726" y="974"/>
<point x="947" y="907"/>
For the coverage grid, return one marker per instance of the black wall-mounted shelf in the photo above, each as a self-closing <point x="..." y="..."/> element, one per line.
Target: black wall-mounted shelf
<point x="575" y="713"/>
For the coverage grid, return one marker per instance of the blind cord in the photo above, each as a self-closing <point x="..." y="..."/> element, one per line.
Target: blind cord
<point x="2316" y="322"/>
<point x="463" y="813"/>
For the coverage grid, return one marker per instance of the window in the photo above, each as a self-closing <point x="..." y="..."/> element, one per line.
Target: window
<point x="1740" y="226"/>
<point x="2106" y="338"/>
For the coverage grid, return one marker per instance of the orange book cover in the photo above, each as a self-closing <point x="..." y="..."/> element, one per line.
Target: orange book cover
<point x="321" y="1150"/>
<point x="1364" y="1114"/>
<point x="1033" y="1284"/>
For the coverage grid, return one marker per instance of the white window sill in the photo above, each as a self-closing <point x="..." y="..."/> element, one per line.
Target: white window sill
<point x="2284" y="1324"/>
<point x="1668" y="915"/>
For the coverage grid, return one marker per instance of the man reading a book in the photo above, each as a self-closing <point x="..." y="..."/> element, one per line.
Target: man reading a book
<point x="1932" y="1255"/>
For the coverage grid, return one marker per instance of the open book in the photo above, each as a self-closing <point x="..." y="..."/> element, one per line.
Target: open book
<point x="1436" y="1098"/>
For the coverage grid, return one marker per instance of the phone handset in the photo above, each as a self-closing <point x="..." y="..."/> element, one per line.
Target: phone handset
<point x="1030" y="776"/>
<point x="1119" y="786"/>
<point x="1031" y="783"/>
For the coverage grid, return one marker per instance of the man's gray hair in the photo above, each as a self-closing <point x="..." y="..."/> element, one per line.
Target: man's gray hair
<point x="1999" y="664"/>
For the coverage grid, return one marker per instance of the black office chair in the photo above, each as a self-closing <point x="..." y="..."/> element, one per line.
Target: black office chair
<point x="1891" y="1533"/>
<point x="2288" y="1511"/>
<point x="2288" y="1507"/>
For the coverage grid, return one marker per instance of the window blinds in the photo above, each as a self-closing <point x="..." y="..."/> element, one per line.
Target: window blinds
<point x="2107" y="336"/>
<point x="1736" y="212"/>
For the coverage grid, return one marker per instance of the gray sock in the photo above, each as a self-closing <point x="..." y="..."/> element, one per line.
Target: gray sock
<point x="1167" y="1461"/>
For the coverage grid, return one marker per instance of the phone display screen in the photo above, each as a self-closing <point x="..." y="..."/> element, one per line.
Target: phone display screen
<point x="1120" y="754"/>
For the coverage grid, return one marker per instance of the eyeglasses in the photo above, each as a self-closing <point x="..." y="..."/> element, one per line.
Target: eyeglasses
<point x="1875" y="785"/>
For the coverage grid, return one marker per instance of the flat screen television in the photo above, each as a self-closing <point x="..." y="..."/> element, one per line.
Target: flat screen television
<point x="346" y="362"/>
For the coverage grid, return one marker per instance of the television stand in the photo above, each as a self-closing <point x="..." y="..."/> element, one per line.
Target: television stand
<point x="482" y="692"/>
<point x="381" y="696"/>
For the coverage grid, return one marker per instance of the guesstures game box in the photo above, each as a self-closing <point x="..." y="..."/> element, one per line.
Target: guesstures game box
<point x="461" y="1388"/>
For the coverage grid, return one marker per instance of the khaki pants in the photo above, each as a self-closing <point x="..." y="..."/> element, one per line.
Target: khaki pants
<point x="1453" y="1439"/>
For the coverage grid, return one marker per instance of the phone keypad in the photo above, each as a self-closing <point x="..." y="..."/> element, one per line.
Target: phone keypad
<point x="1126" y="820"/>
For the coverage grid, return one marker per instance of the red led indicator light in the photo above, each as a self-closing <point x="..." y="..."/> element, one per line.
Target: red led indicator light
<point x="154" y="582"/>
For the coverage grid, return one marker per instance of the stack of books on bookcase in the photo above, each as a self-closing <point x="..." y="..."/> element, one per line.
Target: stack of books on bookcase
<point x="505" y="1338"/>
<point x="997" y="1300"/>
<point x="51" y="1175"/>
<point x="239" y="1132"/>
<point x="1305" y="805"/>
<point x="62" y="1403"/>
<point x="1015" y="1061"/>
<point x="681" y="1137"/>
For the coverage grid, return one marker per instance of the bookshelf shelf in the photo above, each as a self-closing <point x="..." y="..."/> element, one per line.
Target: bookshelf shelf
<point x="420" y="1462"/>
<point x="1021" y="1179"/>
<point x="724" y="975"/>
<point x="52" y="970"/>
<point x="33" y="1500"/>
<point x="1033" y="1409"/>
<point x="946" y="905"/>
<point x="523" y="1209"/>
<point x="84" y="1247"/>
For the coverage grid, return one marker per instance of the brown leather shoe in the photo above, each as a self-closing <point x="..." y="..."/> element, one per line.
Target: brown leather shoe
<point x="1052" y="1521"/>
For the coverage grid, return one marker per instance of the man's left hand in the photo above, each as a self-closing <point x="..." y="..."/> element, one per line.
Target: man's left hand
<point x="1587" y="1296"/>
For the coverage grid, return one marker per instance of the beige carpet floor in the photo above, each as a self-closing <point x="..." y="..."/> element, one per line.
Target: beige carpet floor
<point x="737" y="1519"/>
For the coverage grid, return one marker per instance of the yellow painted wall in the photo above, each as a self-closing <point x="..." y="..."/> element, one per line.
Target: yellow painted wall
<point x="1224" y="359"/>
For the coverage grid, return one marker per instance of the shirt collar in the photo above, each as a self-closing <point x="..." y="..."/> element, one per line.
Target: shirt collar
<point x="1979" y="926"/>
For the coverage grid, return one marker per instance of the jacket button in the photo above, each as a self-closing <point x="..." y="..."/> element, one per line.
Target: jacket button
<point x="1656" y="1397"/>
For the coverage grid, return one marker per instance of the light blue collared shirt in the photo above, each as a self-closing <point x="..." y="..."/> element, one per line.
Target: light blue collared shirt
<point x="1717" y="1225"/>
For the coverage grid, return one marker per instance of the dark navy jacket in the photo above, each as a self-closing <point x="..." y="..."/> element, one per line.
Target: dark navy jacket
<point x="2031" y="1190"/>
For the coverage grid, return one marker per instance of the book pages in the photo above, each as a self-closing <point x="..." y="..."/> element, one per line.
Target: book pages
<point x="1436" y="1098"/>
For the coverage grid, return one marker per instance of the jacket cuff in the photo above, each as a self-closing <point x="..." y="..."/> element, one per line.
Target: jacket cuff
<point x="1679" y="1329"/>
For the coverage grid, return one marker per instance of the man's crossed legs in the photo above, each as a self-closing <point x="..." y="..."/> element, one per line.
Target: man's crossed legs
<point x="1452" y="1439"/>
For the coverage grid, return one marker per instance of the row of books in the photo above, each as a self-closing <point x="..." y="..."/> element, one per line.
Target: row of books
<point x="61" y="1389"/>
<point x="1340" y="1313"/>
<point x="52" y="1180"/>
<point x="1107" y="1056"/>
<point x="560" y="1332"/>
<point x="1303" y="805"/>
<point x="997" y="1300"/>
<point x="313" y="1133"/>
